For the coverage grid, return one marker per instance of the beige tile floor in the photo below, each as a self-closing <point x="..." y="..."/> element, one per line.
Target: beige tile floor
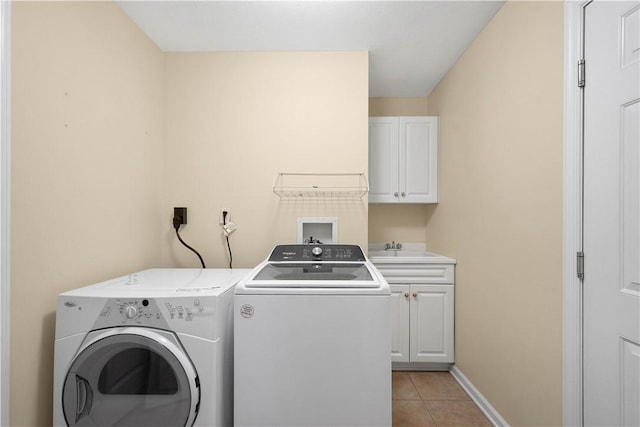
<point x="432" y="399"/>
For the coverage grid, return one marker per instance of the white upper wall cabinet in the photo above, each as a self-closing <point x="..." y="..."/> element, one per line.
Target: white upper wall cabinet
<point x="403" y="159"/>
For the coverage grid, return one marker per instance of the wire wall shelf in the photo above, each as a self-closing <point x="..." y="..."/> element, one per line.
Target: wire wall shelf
<point x="321" y="186"/>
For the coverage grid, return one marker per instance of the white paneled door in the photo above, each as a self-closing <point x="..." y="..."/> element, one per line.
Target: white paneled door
<point x="612" y="214"/>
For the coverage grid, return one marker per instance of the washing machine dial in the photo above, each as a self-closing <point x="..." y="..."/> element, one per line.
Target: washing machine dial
<point x="130" y="311"/>
<point x="317" y="251"/>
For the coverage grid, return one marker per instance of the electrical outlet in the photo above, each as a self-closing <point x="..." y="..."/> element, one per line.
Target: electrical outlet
<point x="222" y="217"/>
<point x="180" y="215"/>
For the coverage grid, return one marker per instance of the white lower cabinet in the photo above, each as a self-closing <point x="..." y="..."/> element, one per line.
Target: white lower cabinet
<point x="422" y="314"/>
<point x="400" y="322"/>
<point x="422" y="323"/>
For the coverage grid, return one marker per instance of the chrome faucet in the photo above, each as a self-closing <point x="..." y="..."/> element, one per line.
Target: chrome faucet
<point x="392" y="246"/>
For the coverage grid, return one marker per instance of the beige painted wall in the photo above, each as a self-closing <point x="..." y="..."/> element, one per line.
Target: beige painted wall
<point x="87" y="132"/>
<point x="417" y="106"/>
<point x="391" y="222"/>
<point x="234" y="121"/>
<point x="500" y="210"/>
<point x="398" y="223"/>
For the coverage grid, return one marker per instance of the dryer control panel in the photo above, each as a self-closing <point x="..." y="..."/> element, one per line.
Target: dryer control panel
<point x="147" y="312"/>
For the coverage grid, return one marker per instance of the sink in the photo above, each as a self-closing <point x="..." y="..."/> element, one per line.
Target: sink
<point x="410" y="254"/>
<point x="401" y="253"/>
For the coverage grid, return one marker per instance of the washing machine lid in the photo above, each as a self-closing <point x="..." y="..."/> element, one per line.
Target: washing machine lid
<point x="314" y="266"/>
<point x="320" y="274"/>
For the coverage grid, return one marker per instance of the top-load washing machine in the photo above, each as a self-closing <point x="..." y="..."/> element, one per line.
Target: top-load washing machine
<point x="152" y="348"/>
<point x="312" y="339"/>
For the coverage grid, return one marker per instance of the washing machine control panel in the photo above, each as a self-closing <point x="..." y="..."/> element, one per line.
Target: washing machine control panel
<point x="316" y="253"/>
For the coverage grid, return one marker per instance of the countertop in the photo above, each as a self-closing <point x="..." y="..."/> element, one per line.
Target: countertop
<point x="413" y="253"/>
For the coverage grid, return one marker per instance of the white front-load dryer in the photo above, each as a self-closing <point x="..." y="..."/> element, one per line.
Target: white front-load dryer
<point x="153" y="348"/>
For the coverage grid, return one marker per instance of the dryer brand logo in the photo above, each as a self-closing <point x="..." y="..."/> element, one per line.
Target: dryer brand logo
<point x="246" y="311"/>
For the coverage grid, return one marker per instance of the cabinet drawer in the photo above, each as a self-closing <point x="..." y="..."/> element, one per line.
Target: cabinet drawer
<point x="417" y="273"/>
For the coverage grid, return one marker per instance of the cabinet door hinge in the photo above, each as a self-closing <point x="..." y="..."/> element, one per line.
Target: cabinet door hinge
<point x="581" y="73"/>
<point x="580" y="265"/>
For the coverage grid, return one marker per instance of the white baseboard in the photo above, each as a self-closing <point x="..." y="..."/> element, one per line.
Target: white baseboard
<point x="484" y="405"/>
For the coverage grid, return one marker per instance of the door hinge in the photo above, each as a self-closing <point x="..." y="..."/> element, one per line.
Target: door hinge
<point x="581" y="73"/>
<point x="580" y="265"/>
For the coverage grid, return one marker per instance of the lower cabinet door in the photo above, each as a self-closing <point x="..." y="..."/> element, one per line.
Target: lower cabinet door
<point x="431" y="323"/>
<point x="400" y="323"/>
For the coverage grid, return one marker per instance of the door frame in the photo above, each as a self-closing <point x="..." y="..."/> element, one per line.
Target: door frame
<point x="5" y="206"/>
<point x="572" y="327"/>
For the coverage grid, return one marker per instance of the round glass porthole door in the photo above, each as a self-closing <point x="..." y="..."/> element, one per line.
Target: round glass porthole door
<point x="131" y="377"/>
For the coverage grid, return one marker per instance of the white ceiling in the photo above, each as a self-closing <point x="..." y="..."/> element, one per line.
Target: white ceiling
<point x="411" y="44"/>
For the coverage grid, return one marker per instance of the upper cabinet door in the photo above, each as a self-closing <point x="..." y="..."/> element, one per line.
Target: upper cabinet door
<point x="418" y="160"/>
<point x="403" y="159"/>
<point x="383" y="159"/>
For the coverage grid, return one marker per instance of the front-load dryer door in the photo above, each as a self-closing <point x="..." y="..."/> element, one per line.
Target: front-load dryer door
<point x="131" y="376"/>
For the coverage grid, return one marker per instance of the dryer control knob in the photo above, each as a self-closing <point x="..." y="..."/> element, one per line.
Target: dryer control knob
<point x="130" y="312"/>
<point x="317" y="251"/>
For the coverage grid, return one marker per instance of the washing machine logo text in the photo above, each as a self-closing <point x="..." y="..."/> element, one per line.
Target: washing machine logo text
<point x="246" y="311"/>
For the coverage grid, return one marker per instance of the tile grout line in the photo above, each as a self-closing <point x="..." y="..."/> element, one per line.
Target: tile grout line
<point x="426" y="407"/>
